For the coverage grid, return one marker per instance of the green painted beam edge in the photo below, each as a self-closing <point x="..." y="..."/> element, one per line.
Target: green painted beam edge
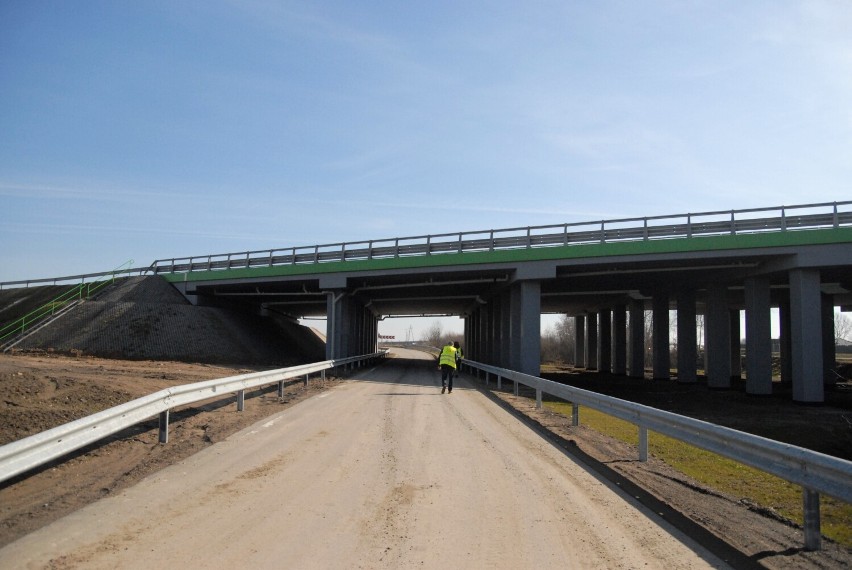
<point x="672" y="245"/>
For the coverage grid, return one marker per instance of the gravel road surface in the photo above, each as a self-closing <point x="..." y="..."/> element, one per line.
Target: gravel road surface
<point x="382" y="471"/>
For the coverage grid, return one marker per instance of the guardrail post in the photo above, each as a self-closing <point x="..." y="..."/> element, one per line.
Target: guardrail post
<point x="643" y="444"/>
<point x="306" y="380"/>
<point x="281" y="388"/>
<point x="164" y="427"/>
<point x="323" y="375"/>
<point x="810" y="501"/>
<point x="538" y="398"/>
<point x="516" y="388"/>
<point x="499" y="382"/>
<point x="575" y="415"/>
<point x="241" y="400"/>
<point x="486" y="379"/>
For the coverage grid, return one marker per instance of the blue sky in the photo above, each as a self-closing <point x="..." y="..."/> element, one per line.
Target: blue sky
<point x="146" y="130"/>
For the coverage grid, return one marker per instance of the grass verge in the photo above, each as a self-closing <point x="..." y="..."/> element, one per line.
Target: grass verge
<point x="724" y="475"/>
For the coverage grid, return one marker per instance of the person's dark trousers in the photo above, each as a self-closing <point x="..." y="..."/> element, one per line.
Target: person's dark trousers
<point x="447" y="376"/>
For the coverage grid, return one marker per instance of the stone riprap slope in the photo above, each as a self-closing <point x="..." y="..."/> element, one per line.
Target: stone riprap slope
<point x="145" y="318"/>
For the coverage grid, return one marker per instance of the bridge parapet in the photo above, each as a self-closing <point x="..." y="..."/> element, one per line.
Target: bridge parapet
<point x="780" y="219"/>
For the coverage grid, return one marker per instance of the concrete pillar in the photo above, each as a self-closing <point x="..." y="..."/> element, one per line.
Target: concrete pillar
<point x="530" y="338"/>
<point x="758" y="336"/>
<point x="591" y="341"/>
<point x="505" y="330"/>
<point x="636" y="340"/>
<point x="475" y="331"/>
<point x="786" y="340"/>
<point x="806" y="335"/>
<point x="337" y="324"/>
<point x="687" y="337"/>
<point x="487" y="334"/>
<point x="829" y="351"/>
<point x="468" y="337"/>
<point x="515" y="327"/>
<point x="580" y="341"/>
<point x="496" y="341"/>
<point x="660" y="344"/>
<point x="368" y="338"/>
<point x="717" y="346"/>
<point x="619" y="340"/>
<point x="736" y="345"/>
<point x="605" y="340"/>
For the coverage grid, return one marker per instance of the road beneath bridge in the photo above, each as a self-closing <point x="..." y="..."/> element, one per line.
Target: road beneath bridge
<point x="380" y="472"/>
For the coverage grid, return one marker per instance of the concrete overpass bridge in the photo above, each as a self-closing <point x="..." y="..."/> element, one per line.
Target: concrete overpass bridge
<point x="605" y="274"/>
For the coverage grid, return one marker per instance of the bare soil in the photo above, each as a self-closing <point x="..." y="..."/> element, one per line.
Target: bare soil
<point x="42" y="390"/>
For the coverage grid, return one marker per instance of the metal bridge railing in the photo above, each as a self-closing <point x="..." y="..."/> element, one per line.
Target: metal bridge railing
<point x="815" y="472"/>
<point x="82" y="278"/>
<point x="722" y="222"/>
<point x="18" y="328"/>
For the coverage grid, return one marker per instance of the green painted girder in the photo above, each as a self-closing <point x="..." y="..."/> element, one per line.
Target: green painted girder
<point x="790" y="238"/>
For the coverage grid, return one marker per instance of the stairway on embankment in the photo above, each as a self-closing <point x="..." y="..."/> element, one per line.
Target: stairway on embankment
<point x="145" y="318"/>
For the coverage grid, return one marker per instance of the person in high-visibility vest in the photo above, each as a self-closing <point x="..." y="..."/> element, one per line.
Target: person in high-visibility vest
<point x="447" y="362"/>
<point x="459" y="356"/>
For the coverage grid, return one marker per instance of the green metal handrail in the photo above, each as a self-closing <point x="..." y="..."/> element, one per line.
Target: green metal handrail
<point x="76" y="293"/>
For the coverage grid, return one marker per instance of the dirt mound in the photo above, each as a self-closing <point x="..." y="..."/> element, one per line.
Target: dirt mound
<point x="145" y="318"/>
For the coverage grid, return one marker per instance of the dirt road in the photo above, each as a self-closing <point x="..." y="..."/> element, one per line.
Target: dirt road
<point x="380" y="472"/>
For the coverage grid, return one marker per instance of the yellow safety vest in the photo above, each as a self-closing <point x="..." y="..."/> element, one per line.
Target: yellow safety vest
<point x="448" y="356"/>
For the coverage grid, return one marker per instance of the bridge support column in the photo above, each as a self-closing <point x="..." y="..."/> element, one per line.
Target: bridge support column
<point x="526" y="326"/>
<point x="466" y="338"/>
<point x="829" y="350"/>
<point x="472" y="347"/>
<point x="371" y="332"/>
<point x="580" y="341"/>
<point x="505" y="358"/>
<point x="488" y="333"/>
<point x="619" y="340"/>
<point x="335" y="336"/>
<point x="592" y="341"/>
<point x="736" y="345"/>
<point x="636" y="346"/>
<point x="806" y="335"/>
<point x="758" y="336"/>
<point x="660" y="343"/>
<point x="687" y="337"/>
<point x="496" y="340"/>
<point x="605" y="343"/>
<point x="785" y="342"/>
<point x="717" y="347"/>
<point x="351" y="328"/>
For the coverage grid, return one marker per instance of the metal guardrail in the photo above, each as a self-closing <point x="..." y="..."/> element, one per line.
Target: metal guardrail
<point x="82" y="278"/>
<point x="722" y="222"/>
<point x="54" y="307"/>
<point x="815" y="472"/>
<point x="36" y="450"/>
